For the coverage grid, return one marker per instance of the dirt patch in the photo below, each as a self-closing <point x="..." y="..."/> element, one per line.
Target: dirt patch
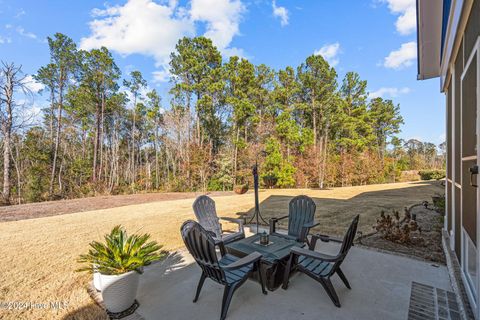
<point x="426" y="244"/>
<point x="54" y="208"/>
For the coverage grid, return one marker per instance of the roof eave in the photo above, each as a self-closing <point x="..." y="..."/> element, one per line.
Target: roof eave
<point x="429" y="26"/>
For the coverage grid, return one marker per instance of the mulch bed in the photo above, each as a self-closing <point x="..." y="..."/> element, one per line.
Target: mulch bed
<point x="426" y="245"/>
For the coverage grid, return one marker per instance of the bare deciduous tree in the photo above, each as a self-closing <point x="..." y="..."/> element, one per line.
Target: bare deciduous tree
<point x="11" y="80"/>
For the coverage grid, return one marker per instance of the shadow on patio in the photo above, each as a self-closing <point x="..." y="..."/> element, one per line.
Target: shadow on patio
<point x="381" y="285"/>
<point x="336" y="213"/>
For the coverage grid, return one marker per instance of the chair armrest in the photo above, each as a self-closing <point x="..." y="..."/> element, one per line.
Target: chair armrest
<point x="237" y="221"/>
<point x="251" y="258"/>
<point x="234" y="220"/>
<point x="311" y="224"/>
<point x="306" y="230"/>
<point x="323" y="238"/>
<point x="280" y="218"/>
<point x="327" y="238"/>
<point x="273" y="222"/>
<point x="315" y="255"/>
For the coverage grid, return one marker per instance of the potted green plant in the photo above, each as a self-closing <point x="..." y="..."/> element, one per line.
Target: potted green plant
<point x="117" y="263"/>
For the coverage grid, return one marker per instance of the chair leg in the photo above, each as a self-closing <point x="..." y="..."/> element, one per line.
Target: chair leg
<point x="286" y="274"/>
<point x="260" y="276"/>
<point x="327" y="285"/>
<point x="227" y="298"/>
<point x="199" y="286"/>
<point x="344" y="279"/>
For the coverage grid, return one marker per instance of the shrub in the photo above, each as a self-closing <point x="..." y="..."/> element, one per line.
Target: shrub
<point x="432" y="174"/>
<point x="214" y="185"/>
<point x="121" y="253"/>
<point x="439" y="203"/>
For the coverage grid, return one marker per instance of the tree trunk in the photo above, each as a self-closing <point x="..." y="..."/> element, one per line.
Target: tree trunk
<point x="52" y="111"/>
<point x="235" y="155"/>
<point x="199" y="142"/>
<point x="157" y="171"/>
<point x="132" y="151"/>
<point x="7" y="131"/>
<point x="100" y="139"/>
<point x="199" y="127"/>
<point x="96" y="144"/>
<point x="57" y="137"/>
<point x="319" y="157"/>
<point x="6" y="163"/>
<point x="324" y="162"/>
<point x="19" y="181"/>
<point x="314" y="119"/>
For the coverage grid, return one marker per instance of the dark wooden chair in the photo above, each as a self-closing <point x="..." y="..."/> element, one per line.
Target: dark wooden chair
<point x="301" y="214"/>
<point x="204" y="208"/>
<point x="319" y="266"/>
<point x="229" y="271"/>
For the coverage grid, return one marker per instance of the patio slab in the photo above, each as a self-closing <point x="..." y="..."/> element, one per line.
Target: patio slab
<point x="381" y="285"/>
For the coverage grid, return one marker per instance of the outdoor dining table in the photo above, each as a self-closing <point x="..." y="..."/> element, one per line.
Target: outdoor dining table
<point x="274" y="256"/>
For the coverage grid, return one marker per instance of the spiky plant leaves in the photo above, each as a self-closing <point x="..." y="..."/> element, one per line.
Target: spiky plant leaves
<point x="120" y="253"/>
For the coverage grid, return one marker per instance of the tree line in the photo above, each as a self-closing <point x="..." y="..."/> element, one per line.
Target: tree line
<point x="102" y="133"/>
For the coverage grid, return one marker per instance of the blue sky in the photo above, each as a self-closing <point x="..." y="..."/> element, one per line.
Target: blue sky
<point x="375" y="38"/>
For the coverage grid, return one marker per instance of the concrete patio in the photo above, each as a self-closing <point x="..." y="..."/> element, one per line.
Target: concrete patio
<point x="381" y="286"/>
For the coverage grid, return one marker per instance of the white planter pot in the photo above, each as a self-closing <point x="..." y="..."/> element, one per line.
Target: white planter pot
<point x="97" y="280"/>
<point x="119" y="291"/>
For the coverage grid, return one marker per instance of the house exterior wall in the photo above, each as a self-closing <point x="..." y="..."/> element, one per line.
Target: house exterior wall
<point x="460" y="82"/>
<point x="455" y="123"/>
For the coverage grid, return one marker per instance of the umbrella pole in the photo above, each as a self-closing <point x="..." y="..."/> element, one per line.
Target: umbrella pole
<point x="256" y="215"/>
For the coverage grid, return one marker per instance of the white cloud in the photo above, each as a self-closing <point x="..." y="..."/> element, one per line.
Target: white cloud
<point x="280" y="12"/>
<point x="407" y="21"/>
<point x="388" y="92"/>
<point x="139" y="26"/>
<point x="222" y="18"/>
<point x="21" y="31"/>
<point x="330" y="53"/>
<point x="153" y="29"/>
<point x="399" y="6"/>
<point x="402" y="57"/>
<point x="32" y="84"/>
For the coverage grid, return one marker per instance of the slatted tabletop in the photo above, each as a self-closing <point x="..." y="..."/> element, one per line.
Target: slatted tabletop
<point x="279" y="248"/>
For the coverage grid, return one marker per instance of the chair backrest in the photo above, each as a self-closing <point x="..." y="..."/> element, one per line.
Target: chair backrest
<point x="204" y="208"/>
<point x="201" y="246"/>
<point x="348" y="240"/>
<point x="301" y="210"/>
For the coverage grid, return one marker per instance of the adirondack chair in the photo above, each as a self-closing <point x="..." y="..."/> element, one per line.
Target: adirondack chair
<point x="229" y="271"/>
<point x="319" y="266"/>
<point x="301" y="214"/>
<point x="204" y="208"/>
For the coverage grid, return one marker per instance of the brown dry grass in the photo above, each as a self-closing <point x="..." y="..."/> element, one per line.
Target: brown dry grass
<point x="38" y="255"/>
